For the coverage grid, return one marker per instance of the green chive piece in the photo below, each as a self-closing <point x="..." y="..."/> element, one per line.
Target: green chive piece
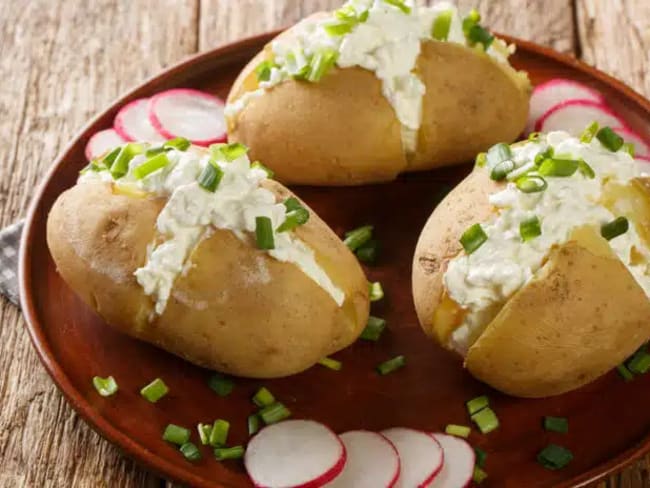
<point x="610" y="139"/>
<point x="368" y="252"/>
<point x="257" y="165"/>
<point x="263" y="70"/>
<point x="204" y="431"/>
<point x="263" y="398"/>
<point x="253" y="424"/>
<point x="481" y="457"/>
<point x="151" y="165"/>
<point x="458" y="430"/>
<point x="441" y="25"/>
<point x="375" y="291"/>
<point x="498" y="153"/>
<point x="480" y="35"/>
<point x="534" y="136"/>
<point x="501" y="170"/>
<point x="221" y="384"/>
<point x="190" y="451"/>
<point x="219" y="433"/>
<point x="629" y="148"/>
<point x="544" y="155"/>
<point x="105" y="386"/>
<point x="374" y="328"/>
<point x="292" y="203"/>
<point x="176" y="434"/>
<point x="558" y="167"/>
<point x="625" y="373"/>
<point x="210" y="177"/>
<point x="615" y="228"/>
<point x="332" y="364"/>
<point x="110" y="158"/>
<point x="531" y="183"/>
<point x="223" y="453"/>
<point x="486" y="420"/>
<point x="347" y="13"/>
<point x="554" y="457"/>
<point x="154" y="151"/>
<point x="320" y="63"/>
<point x="296" y="64"/>
<point x="640" y="362"/>
<point x="179" y="143"/>
<point x="228" y="152"/>
<point x="294" y="218"/>
<point x="477" y="404"/>
<point x="95" y="165"/>
<point x="274" y="413"/>
<point x="530" y="228"/>
<point x="336" y="29"/>
<point x="155" y="390"/>
<point x="358" y="237"/>
<point x="473" y="18"/>
<point x="481" y="160"/>
<point x="400" y="5"/>
<point x="589" y="132"/>
<point x="473" y="238"/>
<point x="391" y="365"/>
<point x="556" y="424"/>
<point x="479" y="476"/>
<point x="120" y="165"/>
<point x="264" y="233"/>
<point x="586" y="170"/>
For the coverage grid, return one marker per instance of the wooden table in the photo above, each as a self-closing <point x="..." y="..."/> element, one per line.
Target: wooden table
<point x="62" y="61"/>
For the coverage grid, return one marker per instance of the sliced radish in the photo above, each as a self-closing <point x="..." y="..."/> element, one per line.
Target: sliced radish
<point x="294" y="453"/>
<point x="372" y="461"/>
<point x="101" y="142"/>
<point x="555" y="91"/>
<point x="458" y="468"/>
<point x="192" y="114"/>
<point x="420" y="456"/>
<point x="574" y="115"/>
<point x="133" y="124"/>
<point x="641" y="148"/>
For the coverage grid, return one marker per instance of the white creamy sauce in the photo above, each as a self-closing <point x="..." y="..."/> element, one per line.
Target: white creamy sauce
<point x="388" y="43"/>
<point x="483" y="281"/>
<point x="191" y="213"/>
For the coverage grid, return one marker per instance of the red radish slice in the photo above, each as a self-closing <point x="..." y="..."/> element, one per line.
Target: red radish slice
<point x="294" y="454"/>
<point x="101" y="142"/>
<point x="133" y="124"/>
<point x="574" y="115"/>
<point x="372" y="461"/>
<point x="192" y="114"/>
<point x="458" y="468"/>
<point x="555" y="91"/>
<point x="420" y="456"/>
<point x="641" y="148"/>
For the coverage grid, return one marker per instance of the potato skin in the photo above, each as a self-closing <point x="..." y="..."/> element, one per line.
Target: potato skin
<point x="237" y="310"/>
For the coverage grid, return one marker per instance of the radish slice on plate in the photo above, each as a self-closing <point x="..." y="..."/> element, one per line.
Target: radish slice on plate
<point x="294" y="454"/>
<point x="192" y="114"/>
<point x="574" y="116"/>
<point x="372" y="461"/>
<point x="133" y="124"/>
<point x="420" y="456"/>
<point x="101" y="142"/>
<point x="458" y="468"/>
<point x="555" y="91"/>
<point x="641" y="148"/>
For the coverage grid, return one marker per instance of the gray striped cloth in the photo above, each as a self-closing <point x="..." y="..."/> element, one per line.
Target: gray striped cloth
<point x="9" y="245"/>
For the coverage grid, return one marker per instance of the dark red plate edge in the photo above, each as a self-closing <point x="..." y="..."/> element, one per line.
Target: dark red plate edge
<point x="139" y="452"/>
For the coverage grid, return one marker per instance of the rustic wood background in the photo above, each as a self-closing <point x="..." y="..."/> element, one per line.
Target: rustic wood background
<point x="62" y="61"/>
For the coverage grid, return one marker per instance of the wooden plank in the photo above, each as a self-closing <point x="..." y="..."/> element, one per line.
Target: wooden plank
<point x="60" y="63"/>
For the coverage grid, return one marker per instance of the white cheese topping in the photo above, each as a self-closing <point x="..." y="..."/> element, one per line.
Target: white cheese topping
<point x="483" y="281"/>
<point x="191" y="213"/>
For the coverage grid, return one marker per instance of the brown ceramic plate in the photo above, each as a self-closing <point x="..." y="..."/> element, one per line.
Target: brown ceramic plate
<point x="609" y="419"/>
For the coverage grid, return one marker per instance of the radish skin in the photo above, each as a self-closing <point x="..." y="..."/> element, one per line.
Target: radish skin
<point x="420" y="458"/>
<point x="574" y="116"/>
<point x="101" y="142"/>
<point x="458" y="469"/>
<point x="133" y="124"/>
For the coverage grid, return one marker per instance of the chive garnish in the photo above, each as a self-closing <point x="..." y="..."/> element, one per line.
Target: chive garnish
<point x="373" y="329"/>
<point x="264" y="233"/>
<point x="294" y="218"/>
<point x="120" y="165"/>
<point x="610" y="139"/>
<point x="190" y="451"/>
<point x="458" y="430"/>
<point x="219" y="433"/>
<point x="625" y="373"/>
<point x="356" y="238"/>
<point x="586" y="170"/>
<point x="229" y="152"/>
<point x="481" y="159"/>
<point x="589" y="132"/>
<point x="556" y="424"/>
<point x="110" y="158"/>
<point x="155" y="390"/>
<point x="473" y="18"/>
<point x="258" y="165"/>
<point x="332" y="364"/>
<point x="151" y="165"/>
<point x="544" y="155"/>
<point x="105" y="386"/>
<point x="486" y="420"/>
<point x="221" y="384"/>
<point x="253" y="424"/>
<point x="477" y="404"/>
<point x="558" y="167"/>
<point x="479" y="476"/>
<point x="292" y="203"/>
<point x="534" y="136"/>
<point x="498" y="153"/>
<point x="176" y="434"/>
<point x="441" y="25"/>
<point x="204" y="431"/>
<point x="179" y="143"/>
<point x="530" y="228"/>
<point x="640" y="362"/>
<point x="375" y="291"/>
<point x="400" y="5"/>
<point x="531" y="183"/>
<point x="480" y="35"/>
<point x="473" y="238"/>
<point x="274" y="413"/>
<point x="501" y="170"/>
<point x="554" y="457"/>
<point x="615" y="228"/>
<point x="629" y="148"/>
<point x="368" y="252"/>
<point x="235" y="452"/>
<point x="338" y="28"/>
<point x="263" y="70"/>
<point x="391" y="365"/>
<point x="210" y="177"/>
<point x="481" y="457"/>
<point x="320" y="64"/>
<point x="263" y="398"/>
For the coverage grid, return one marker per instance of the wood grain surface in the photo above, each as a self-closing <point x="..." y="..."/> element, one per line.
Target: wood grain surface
<point x="62" y="61"/>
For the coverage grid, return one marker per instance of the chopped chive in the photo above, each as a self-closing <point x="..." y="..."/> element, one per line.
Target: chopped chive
<point x="320" y="64"/>
<point x="544" y="155"/>
<point x="258" y="165"/>
<point x="274" y="413"/>
<point x="589" y="132"/>
<point x="480" y="35"/>
<point x="338" y="28"/>
<point x="229" y="152"/>
<point x="204" y="431"/>
<point x="586" y="170"/>
<point x="530" y="228"/>
<point x="179" y="143"/>
<point x="294" y="218"/>
<point x="610" y="139"/>
<point x="498" y="153"/>
<point x="558" y="167"/>
<point x="391" y="365"/>
<point x="105" y="386"/>
<point x="473" y="238"/>
<point x="292" y="203"/>
<point x="375" y="291"/>
<point x="263" y="398"/>
<point x="481" y="160"/>
<point x="296" y="64"/>
<point x="554" y="457"/>
<point x="629" y="148"/>
<point x="219" y="433"/>
<point x="458" y="430"/>
<point x="625" y="373"/>
<point x="486" y="420"/>
<point x="556" y="424"/>
<point x="220" y="384"/>
<point x="264" y="233"/>
<point x="263" y="70"/>
<point x="151" y="165"/>
<point x="479" y="476"/>
<point x="374" y="328"/>
<point x="347" y="13"/>
<point x="358" y="237"/>
<point x="534" y="136"/>
<point x="501" y="170"/>
<point x="615" y="228"/>
<point x="120" y="165"/>
<point x="332" y="364"/>
<point x="477" y="404"/>
<point x="223" y="453"/>
<point x="210" y="177"/>
<point x="155" y="390"/>
<point x="190" y="451"/>
<point x="640" y="362"/>
<point x="531" y="183"/>
<point x="368" y="252"/>
<point x="110" y="158"/>
<point x="95" y="166"/>
<point x="441" y="25"/>
<point x="154" y="151"/>
<point x="400" y="5"/>
<point x="481" y="457"/>
<point x="176" y="434"/>
<point x="253" y="424"/>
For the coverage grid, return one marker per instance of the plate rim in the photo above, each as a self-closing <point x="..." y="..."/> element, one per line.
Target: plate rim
<point x="139" y="452"/>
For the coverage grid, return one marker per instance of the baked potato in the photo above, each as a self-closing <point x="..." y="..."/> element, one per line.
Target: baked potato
<point x="536" y="268"/>
<point x="166" y="256"/>
<point x="375" y="89"/>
